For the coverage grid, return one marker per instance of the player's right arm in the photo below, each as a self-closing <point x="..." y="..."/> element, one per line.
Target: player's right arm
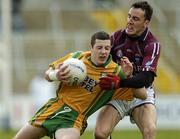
<point x="57" y="74"/>
<point x="56" y="70"/>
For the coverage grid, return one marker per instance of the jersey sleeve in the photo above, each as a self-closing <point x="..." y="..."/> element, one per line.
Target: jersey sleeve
<point x="77" y="54"/>
<point x="151" y="57"/>
<point x="121" y="74"/>
<point x="56" y="63"/>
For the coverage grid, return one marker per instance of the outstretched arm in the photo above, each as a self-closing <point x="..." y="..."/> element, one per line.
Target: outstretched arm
<point x="137" y="82"/>
<point x="114" y="81"/>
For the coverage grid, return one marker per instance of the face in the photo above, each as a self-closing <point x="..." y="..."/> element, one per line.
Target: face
<point x="100" y="51"/>
<point x="136" y="22"/>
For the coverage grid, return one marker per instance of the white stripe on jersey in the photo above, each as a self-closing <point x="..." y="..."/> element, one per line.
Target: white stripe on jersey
<point x="158" y="47"/>
<point x="146" y="34"/>
<point x="155" y="51"/>
<point x="152" y="57"/>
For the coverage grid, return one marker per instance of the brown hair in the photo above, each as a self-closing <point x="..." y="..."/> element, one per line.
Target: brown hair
<point x="101" y="35"/>
<point x="144" y="5"/>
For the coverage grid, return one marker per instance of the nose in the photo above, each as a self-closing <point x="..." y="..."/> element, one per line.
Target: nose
<point x="130" y="20"/>
<point x="103" y="50"/>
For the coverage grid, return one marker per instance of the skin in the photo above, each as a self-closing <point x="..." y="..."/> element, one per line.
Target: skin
<point x="136" y="22"/>
<point x="100" y="51"/>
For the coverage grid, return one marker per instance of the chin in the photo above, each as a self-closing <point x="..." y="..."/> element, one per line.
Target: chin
<point x="101" y="63"/>
<point x="130" y="33"/>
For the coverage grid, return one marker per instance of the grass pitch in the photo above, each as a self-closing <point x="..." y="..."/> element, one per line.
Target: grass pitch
<point x="121" y="134"/>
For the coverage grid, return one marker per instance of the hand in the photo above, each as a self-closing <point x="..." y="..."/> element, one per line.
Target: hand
<point x="63" y="73"/>
<point x="126" y="66"/>
<point x="109" y="82"/>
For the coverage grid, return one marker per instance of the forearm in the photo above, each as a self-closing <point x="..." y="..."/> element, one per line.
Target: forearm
<point x="143" y="79"/>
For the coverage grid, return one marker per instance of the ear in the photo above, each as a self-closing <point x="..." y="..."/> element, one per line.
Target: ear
<point x="146" y="23"/>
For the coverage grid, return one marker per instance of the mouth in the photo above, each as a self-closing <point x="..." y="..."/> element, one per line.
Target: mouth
<point x="102" y="58"/>
<point x="129" y="28"/>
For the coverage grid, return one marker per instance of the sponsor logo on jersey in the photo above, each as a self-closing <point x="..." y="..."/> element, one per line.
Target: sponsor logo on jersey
<point x="89" y="84"/>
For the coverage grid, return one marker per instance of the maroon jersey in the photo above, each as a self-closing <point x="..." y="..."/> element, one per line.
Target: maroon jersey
<point x="142" y="51"/>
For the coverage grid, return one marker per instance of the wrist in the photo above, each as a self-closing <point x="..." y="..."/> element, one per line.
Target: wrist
<point x="53" y="75"/>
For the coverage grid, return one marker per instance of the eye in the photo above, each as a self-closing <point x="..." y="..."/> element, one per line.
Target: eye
<point x="108" y="47"/>
<point x="135" y="18"/>
<point x="99" y="47"/>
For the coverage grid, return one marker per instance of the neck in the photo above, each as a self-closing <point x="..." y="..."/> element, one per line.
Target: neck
<point x="93" y="63"/>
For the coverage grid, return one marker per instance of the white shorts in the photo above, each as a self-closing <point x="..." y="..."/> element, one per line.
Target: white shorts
<point x="125" y="107"/>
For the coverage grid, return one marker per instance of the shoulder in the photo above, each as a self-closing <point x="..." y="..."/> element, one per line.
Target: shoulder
<point x="118" y="37"/>
<point x="81" y="54"/>
<point x="117" y="34"/>
<point x="77" y="54"/>
<point x="151" y="41"/>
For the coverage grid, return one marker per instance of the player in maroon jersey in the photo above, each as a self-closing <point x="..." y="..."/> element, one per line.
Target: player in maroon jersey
<point x="136" y="43"/>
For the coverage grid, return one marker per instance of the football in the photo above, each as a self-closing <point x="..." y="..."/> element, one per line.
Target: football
<point x="77" y="70"/>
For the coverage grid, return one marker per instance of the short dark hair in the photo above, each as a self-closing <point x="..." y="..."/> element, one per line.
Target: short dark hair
<point x="145" y="6"/>
<point x="101" y="35"/>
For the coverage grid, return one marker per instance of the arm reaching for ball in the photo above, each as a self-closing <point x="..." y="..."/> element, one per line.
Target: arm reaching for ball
<point x="113" y="81"/>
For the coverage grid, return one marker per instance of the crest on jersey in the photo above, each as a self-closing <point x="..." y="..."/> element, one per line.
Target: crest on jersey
<point x="148" y="63"/>
<point x="103" y="74"/>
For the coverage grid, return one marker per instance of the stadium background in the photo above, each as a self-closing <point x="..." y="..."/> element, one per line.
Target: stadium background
<point x="43" y="30"/>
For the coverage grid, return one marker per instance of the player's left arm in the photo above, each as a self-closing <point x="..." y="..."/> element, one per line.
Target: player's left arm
<point x="151" y="57"/>
<point x="148" y="68"/>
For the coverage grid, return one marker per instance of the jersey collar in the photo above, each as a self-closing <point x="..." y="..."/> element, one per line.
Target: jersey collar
<point x="104" y="65"/>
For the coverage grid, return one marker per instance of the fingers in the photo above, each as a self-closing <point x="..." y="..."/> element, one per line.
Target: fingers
<point x="63" y="73"/>
<point x="60" y="65"/>
<point x="127" y="66"/>
<point x="125" y="60"/>
<point x="64" y="70"/>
